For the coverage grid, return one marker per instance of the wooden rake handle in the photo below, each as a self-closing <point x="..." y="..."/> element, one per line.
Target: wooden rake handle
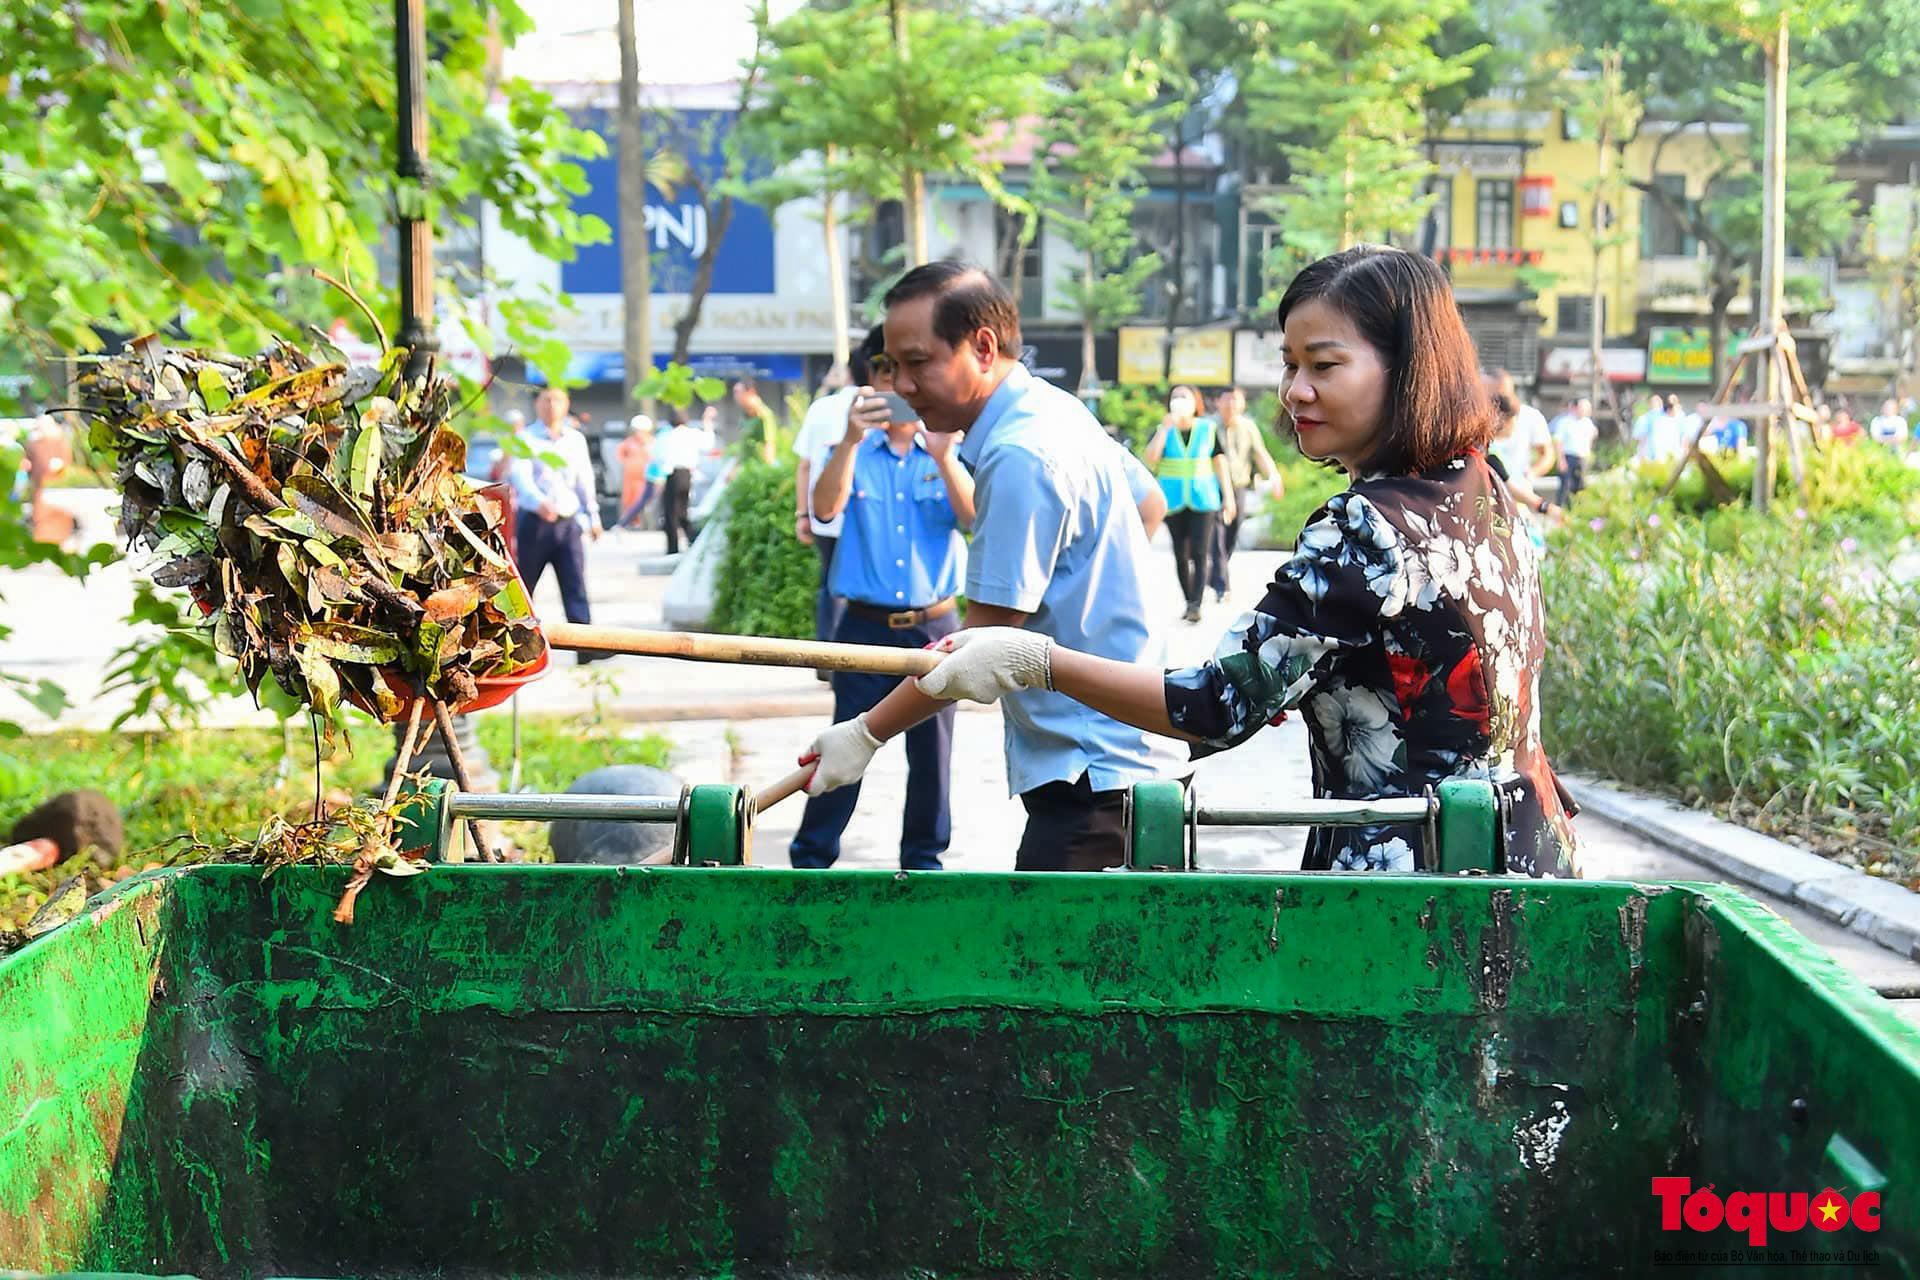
<point x="773" y="793"/>
<point x="874" y="659"/>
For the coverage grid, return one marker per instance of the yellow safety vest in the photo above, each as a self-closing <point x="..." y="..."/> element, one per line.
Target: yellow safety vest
<point x="1186" y="469"/>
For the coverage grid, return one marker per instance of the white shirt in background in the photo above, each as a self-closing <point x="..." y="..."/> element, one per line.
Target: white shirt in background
<point x="1530" y="430"/>
<point x="679" y="448"/>
<point x="1576" y="435"/>
<point x="823" y="428"/>
<point x="1888" y="429"/>
<point x="1666" y="437"/>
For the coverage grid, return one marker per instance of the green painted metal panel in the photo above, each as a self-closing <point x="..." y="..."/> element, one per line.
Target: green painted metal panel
<point x="1469" y="826"/>
<point x="672" y="1071"/>
<point x="1157" y="826"/>
<point x="420" y="824"/>
<point x="718" y="826"/>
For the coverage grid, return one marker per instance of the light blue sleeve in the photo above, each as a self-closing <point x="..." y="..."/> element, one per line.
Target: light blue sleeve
<point x="583" y="486"/>
<point x="1019" y="531"/>
<point x="1140" y="481"/>
<point x="520" y="476"/>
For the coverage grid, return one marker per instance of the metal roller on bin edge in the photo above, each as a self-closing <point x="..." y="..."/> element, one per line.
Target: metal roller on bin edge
<point x="713" y="823"/>
<point x="1462" y="823"/>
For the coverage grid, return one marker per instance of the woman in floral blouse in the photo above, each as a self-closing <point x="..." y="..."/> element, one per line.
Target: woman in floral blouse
<point x="1407" y="626"/>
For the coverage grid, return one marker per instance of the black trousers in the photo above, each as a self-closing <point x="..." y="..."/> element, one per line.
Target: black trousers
<point x="1226" y="536"/>
<point x="1072" y="827"/>
<point x="926" y="822"/>
<point x="827" y="607"/>
<point x="673" y="507"/>
<point x="1192" y="550"/>
<point x="538" y="543"/>
<point x="1573" y="478"/>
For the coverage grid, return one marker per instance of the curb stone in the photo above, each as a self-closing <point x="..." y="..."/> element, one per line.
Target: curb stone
<point x="1877" y="909"/>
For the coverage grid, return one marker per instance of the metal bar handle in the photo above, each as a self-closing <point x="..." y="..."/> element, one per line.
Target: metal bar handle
<point x="546" y="808"/>
<point x="1326" y="813"/>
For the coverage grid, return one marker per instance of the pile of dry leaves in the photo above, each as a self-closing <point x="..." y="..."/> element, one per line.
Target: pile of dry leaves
<point x="319" y="514"/>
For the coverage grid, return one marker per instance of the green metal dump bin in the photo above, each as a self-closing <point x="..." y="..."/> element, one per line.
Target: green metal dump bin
<point x="587" y="1071"/>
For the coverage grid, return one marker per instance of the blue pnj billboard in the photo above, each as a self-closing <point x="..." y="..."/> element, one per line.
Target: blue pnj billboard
<point x="676" y="224"/>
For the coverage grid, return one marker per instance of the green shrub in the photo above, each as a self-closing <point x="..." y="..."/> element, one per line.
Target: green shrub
<point x="1308" y="486"/>
<point x="766" y="581"/>
<point x="1761" y="664"/>
<point x="219" y="784"/>
<point x="1133" y="414"/>
<point x="1852" y="491"/>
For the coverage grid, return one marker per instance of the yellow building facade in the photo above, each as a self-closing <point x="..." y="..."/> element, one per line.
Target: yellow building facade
<point x="1514" y="228"/>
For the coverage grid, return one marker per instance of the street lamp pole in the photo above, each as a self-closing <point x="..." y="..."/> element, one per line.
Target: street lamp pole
<point x="416" y="314"/>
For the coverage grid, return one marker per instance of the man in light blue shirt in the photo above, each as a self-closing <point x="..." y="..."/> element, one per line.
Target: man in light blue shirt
<point x="555" y="509"/>
<point x="1058" y="546"/>
<point x="901" y="499"/>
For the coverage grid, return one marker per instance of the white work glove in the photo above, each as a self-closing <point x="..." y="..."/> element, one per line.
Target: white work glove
<point x="985" y="663"/>
<point x="843" y="752"/>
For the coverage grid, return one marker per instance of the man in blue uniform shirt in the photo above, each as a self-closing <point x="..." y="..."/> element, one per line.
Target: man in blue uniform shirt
<point x="905" y="498"/>
<point x="1058" y="547"/>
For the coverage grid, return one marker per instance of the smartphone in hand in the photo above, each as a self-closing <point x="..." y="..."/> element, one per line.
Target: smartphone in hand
<point x="898" y="410"/>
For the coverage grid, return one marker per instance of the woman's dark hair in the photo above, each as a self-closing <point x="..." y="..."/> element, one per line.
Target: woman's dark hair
<point x="1436" y="408"/>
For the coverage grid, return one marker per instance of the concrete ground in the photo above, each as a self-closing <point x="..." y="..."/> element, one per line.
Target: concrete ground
<point x="748" y="724"/>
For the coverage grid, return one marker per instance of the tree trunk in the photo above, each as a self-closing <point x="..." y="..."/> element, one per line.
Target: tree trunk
<point x="689" y="320"/>
<point x="836" y="269"/>
<point x="916" y="211"/>
<point x="913" y="185"/>
<point x="1596" y="297"/>
<point x="1016" y="268"/>
<point x="1347" y="238"/>
<point x="1088" y="375"/>
<point x="1717" y="303"/>
<point x="636" y="263"/>
<point x="1177" y="299"/>
<point x="1773" y="249"/>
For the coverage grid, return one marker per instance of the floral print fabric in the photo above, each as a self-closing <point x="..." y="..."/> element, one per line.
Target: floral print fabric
<point x="1407" y="631"/>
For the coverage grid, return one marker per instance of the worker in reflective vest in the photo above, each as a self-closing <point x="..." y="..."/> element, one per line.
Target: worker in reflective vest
<point x="1185" y="455"/>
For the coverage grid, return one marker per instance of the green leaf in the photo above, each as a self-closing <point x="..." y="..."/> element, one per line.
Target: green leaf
<point x="366" y="460"/>
<point x="480" y="548"/>
<point x="48" y="698"/>
<point x="213" y="389"/>
<point x="349" y="643"/>
<point x="323" y="682"/>
<point x="321" y="552"/>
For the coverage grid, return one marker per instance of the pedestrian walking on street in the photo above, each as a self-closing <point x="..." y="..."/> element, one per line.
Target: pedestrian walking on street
<point x="1888" y="427"/>
<point x="1531" y="454"/>
<point x="677" y="451"/>
<point x="757" y="424"/>
<point x="635" y="456"/>
<point x="904" y="499"/>
<point x="1057" y="544"/>
<point x="1185" y="455"/>
<point x="556" y="512"/>
<point x="1407" y="627"/>
<point x="1245" y="447"/>
<point x="1574" y="432"/>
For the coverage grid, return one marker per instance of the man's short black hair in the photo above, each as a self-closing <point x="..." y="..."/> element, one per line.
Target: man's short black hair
<point x="968" y="299"/>
<point x="860" y="362"/>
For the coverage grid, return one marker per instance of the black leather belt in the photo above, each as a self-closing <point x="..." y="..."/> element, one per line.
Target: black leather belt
<point x="901" y="619"/>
